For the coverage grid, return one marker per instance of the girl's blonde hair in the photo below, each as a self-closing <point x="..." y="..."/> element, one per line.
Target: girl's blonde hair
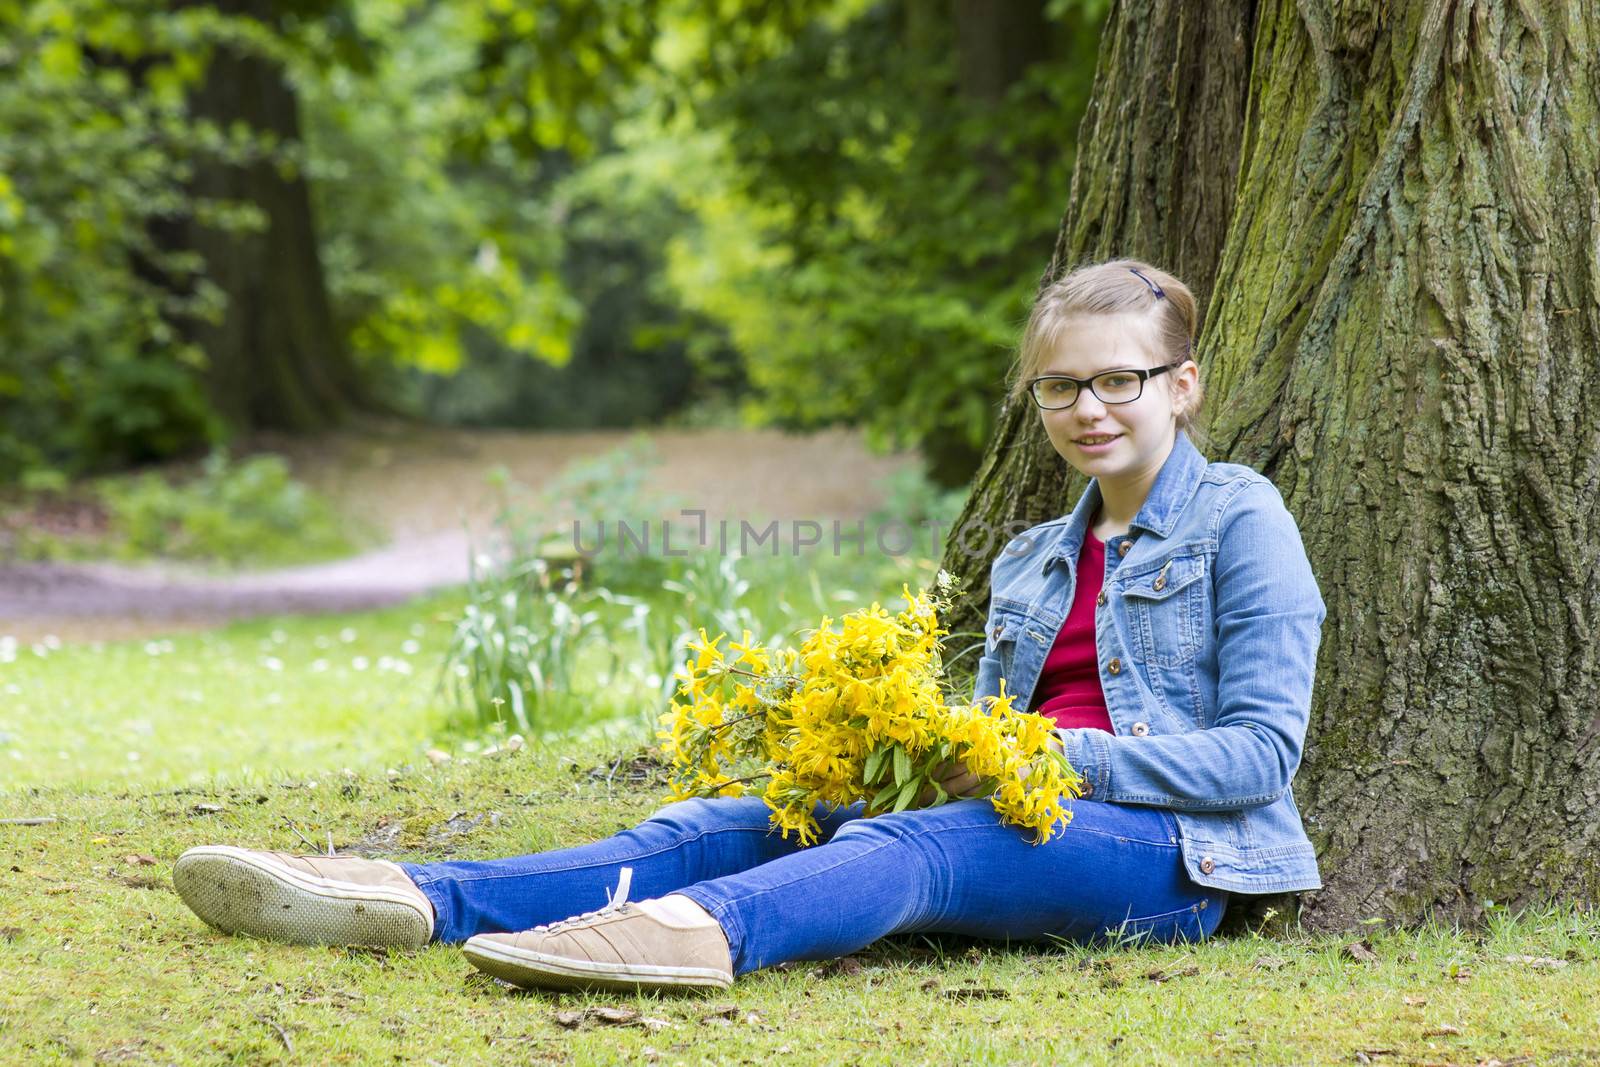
<point x="1107" y="288"/>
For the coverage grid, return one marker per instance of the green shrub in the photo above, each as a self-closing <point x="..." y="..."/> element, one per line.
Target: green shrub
<point x="251" y="511"/>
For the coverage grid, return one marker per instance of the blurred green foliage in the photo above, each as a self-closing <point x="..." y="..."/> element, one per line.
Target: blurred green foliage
<point x="556" y="213"/>
<point x="244" y="512"/>
<point x="249" y="511"/>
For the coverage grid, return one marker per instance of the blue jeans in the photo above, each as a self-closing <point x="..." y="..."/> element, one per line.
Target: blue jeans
<point x="951" y="869"/>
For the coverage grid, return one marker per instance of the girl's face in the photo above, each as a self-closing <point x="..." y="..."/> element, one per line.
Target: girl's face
<point x="1141" y="432"/>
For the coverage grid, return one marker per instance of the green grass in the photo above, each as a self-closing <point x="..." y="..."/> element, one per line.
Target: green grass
<point x="242" y="738"/>
<point x="103" y="961"/>
<point x="236" y="704"/>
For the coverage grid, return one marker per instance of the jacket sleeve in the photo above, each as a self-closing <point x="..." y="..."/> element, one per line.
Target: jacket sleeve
<point x="1268" y="623"/>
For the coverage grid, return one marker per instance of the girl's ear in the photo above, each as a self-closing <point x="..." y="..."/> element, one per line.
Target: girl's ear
<point x="1184" y="381"/>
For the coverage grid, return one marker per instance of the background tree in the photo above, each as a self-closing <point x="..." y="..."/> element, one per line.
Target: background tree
<point x="1389" y="213"/>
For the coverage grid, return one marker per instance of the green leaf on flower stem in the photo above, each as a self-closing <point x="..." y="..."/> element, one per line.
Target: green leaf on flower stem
<point x="908" y="793"/>
<point x="874" y="765"/>
<point x="902" y="764"/>
<point x="883" y="796"/>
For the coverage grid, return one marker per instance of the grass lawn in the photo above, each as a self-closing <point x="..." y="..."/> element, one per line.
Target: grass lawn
<point x="242" y="738"/>
<point x="232" y="705"/>
<point x="103" y="961"/>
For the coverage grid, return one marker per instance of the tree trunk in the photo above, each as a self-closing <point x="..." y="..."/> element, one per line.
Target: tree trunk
<point x="277" y="359"/>
<point x="1401" y="333"/>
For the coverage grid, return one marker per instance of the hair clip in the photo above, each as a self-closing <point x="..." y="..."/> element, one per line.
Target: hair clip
<point x="1154" y="288"/>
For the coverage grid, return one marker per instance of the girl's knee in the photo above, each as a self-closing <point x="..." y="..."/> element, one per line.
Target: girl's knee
<point x="699" y="814"/>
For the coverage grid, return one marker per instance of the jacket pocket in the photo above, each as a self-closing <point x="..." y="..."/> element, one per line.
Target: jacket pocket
<point x="1167" y="611"/>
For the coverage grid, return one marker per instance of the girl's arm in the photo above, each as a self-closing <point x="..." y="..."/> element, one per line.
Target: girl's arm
<point x="1268" y="624"/>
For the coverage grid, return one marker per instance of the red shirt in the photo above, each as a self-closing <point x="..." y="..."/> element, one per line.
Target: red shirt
<point x="1069" y="686"/>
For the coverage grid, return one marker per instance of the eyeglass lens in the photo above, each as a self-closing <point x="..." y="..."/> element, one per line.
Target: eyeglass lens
<point x="1113" y="387"/>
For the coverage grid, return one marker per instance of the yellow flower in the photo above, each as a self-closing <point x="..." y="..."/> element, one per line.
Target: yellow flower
<point x="803" y="723"/>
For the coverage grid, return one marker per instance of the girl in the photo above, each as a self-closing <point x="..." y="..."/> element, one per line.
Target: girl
<point x="1169" y="625"/>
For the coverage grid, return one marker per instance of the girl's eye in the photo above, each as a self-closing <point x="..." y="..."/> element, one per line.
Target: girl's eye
<point x="1117" y="380"/>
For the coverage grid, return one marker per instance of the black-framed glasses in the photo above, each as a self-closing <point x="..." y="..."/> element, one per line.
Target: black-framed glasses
<point x="1057" y="392"/>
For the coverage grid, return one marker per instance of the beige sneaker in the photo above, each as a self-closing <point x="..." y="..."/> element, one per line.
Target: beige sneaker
<point x="668" y="943"/>
<point x="307" y="900"/>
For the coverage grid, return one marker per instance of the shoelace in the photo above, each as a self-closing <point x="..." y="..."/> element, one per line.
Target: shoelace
<point x="614" y="902"/>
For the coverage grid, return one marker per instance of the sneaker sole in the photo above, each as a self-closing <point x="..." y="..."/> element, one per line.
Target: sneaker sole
<point x="525" y="967"/>
<point x="237" y="893"/>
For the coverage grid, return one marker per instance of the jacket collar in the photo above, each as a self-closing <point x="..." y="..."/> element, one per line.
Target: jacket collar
<point x="1173" y="489"/>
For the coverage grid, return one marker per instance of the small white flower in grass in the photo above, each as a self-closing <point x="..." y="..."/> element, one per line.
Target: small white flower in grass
<point x="470" y="746"/>
<point x="437" y="756"/>
<point x="279" y="637"/>
<point x="360" y="663"/>
<point x="417" y="629"/>
<point x="514" y="743"/>
<point x="12" y="690"/>
<point x="322" y="641"/>
<point x="52" y="642"/>
<point x="318" y="666"/>
<point x="133" y="757"/>
<point x="272" y="663"/>
<point x="40" y="651"/>
<point x="347" y="635"/>
<point x="411" y="648"/>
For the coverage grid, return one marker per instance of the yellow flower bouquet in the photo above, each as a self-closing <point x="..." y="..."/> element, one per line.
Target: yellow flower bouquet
<point x="857" y="713"/>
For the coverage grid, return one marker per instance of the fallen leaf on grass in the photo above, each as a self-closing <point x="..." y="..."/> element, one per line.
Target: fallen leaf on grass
<point x="930" y="984"/>
<point x="138" y="860"/>
<point x="1367" y="1055"/>
<point x="1158" y="975"/>
<point x="1413" y="1002"/>
<point x="10" y="933"/>
<point x="207" y="809"/>
<point x="142" y="881"/>
<point x="575" y="1019"/>
<point x="1442" y="1030"/>
<point x="845" y="965"/>
<point x="1538" y="962"/>
<point x="57" y="890"/>
<point x="976" y="994"/>
<point x="720" y="1011"/>
<point x="1360" y="951"/>
<point x="1269" y="963"/>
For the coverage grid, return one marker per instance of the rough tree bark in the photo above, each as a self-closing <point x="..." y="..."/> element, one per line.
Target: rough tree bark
<point x="1402" y="332"/>
<point x="277" y="359"/>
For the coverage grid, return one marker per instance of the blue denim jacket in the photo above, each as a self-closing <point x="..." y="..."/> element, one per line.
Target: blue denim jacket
<point x="1207" y="633"/>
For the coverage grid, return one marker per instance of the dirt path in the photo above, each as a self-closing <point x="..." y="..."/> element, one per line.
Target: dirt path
<point x="428" y="491"/>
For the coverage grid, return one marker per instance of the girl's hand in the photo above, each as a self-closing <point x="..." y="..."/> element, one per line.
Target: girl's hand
<point x="953" y="778"/>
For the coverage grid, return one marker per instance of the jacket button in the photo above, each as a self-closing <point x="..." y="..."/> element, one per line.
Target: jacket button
<point x="1115" y="666"/>
<point x="1122" y="549"/>
<point x="1160" y="584"/>
<point x="1101" y="599"/>
<point x="1088" y="789"/>
<point x="1207" y="864"/>
<point x="1140" y="729"/>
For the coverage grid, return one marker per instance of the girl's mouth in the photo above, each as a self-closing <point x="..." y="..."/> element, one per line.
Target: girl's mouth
<point x="1097" y="443"/>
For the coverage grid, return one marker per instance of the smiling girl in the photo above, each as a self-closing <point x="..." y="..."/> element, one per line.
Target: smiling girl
<point x="1168" y="625"/>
